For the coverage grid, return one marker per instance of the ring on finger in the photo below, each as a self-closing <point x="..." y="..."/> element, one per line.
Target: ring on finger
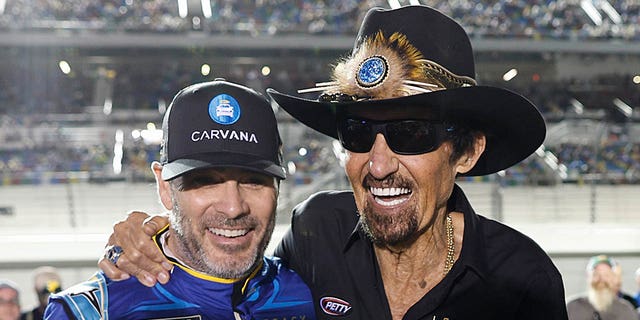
<point x="113" y="253"/>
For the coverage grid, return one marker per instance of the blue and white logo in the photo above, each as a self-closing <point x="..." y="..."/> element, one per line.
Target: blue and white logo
<point x="224" y="109"/>
<point x="372" y="71"/>
<point x="335" y="306"/>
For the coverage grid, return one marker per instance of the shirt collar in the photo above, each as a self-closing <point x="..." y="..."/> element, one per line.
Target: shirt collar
<point x="160" y="240"/>
<point x="473" y="252"/>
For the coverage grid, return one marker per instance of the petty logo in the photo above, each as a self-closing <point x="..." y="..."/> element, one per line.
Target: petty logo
<point x="224" y="109"/>
<point x="334" y="306"/>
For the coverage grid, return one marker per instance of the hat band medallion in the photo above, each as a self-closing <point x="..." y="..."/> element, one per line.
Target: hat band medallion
<point x="372" y="71"/>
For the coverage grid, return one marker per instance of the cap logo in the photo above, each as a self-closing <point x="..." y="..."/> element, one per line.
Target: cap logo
<point x="224" y="109"/>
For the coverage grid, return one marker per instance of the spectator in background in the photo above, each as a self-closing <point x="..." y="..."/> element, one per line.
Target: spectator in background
<point x="601" y="301"/>
<point x="618" y="285"/>
<point x="9" y="300"/>
<point x="46" y="281"/>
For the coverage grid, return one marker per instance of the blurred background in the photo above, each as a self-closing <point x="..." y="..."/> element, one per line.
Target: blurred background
<point x="84" y="84"/>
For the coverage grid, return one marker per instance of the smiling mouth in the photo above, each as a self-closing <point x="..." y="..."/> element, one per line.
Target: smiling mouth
<point x="390" y="196"/>
<point x="229" y="233"/>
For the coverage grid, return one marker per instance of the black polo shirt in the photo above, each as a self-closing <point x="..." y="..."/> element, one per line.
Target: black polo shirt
<point x="500" y="274"/>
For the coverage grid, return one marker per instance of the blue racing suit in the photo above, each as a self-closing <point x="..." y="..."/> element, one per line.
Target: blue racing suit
<point x="270" y="292"/>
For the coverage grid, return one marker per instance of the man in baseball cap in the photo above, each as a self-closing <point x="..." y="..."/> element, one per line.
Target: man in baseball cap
<point x="9" y="300"/>
<point x="219" y="175"/>
<point x="220" y="124"/>
<point x="601" y="300"/>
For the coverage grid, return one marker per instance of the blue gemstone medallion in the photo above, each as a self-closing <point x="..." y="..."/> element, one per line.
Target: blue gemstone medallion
<point x="372" y="71"/>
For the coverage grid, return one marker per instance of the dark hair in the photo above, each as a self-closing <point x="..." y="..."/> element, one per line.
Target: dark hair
<point x="462" y="140"/>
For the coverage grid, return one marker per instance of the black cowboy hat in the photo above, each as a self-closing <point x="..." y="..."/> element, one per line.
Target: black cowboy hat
<point x="417" y="57"/>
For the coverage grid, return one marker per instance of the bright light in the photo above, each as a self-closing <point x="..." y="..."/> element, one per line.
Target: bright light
<point x="151" y="136"/>
<point x="552" y="156"/>
<point x="266" y="71"/>
<point x="636" y="79"/>
<point x="578" y="107"/>
<point x="303" y="152"/>
<point x="551" y="161"/>
<point x="3" y="3"/>
<point x="118" y="151"/>
<point x="110" y="74"/>
<point x="623" y="107"/>
<point x="182" y="8"/>
<point x="611" y="12"/>
<point x="540" y="151"/>
<point x="563" y="171"/>
<point x="291" y="167"/>
<point x="394" y="4"/>
<point x="205" y="69"/>
<point x="162" y="106"/>
<point x="591" y="11"/>
<point x="108" y="106"/>
<point x="64" y="67"/>
<point x="206" y="8"/>
<point x="510" y="75"/>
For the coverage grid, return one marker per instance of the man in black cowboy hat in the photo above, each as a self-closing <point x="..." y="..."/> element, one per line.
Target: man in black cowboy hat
<point x="406" y="243"/>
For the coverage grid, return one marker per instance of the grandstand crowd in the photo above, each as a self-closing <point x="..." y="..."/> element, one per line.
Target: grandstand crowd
<point x="24" y="160"/>
<point x="615" y="158"/>
<point x="490" y="18"/>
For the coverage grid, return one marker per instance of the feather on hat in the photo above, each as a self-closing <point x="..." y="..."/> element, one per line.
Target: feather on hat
<point x="416" y="56"/>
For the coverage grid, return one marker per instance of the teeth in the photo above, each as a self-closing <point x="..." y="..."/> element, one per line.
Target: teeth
<point x="388" y="192"/>
<point x="389" y="203"/>
<point x="229" y="233"/>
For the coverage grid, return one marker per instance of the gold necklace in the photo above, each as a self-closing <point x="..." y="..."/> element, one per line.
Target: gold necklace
<point x="448" y="264"/>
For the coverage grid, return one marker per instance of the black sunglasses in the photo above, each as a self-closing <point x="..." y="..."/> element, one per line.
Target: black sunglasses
<point x="407" y="137"/>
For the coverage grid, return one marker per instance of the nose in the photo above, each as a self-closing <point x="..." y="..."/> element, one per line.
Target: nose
<point x="382" y="161"/>
<point x="231" y="201"/>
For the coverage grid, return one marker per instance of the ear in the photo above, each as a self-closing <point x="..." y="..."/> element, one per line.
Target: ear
<point x="470" y="158"/>
<point x="164" y="189"/>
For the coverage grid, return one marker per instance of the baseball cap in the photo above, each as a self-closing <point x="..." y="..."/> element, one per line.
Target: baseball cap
<point x="220" y="124"/>
<point x="8" y="284"/>
<point x="47" y="280"/>
<point x="596" y="260"/>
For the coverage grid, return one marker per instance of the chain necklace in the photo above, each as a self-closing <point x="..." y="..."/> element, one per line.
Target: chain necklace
<point x="448" y="264"/>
